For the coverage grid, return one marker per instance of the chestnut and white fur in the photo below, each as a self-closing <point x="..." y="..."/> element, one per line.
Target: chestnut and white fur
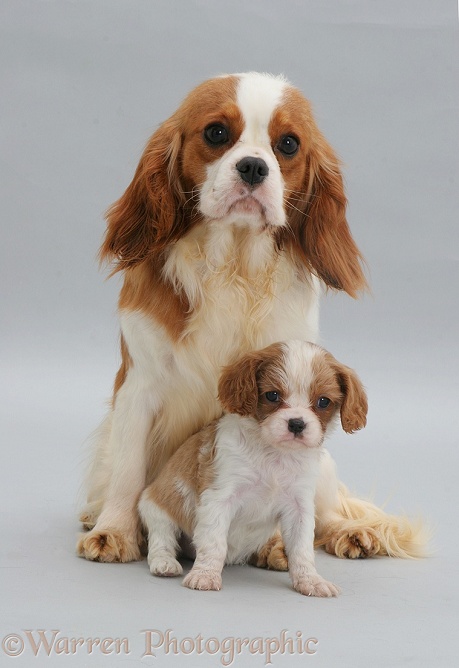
<point x="234" y="217"/>
<point x="230" y="485"/>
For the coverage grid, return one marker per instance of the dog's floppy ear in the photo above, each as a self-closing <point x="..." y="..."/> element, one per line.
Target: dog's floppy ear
<point x="354" y="406"/>
<point x="150" y="213"/>
<point x="238" y="388"/>
<point x="320" y="225"/>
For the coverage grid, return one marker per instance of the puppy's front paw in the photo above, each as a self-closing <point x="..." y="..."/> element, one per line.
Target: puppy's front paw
<point x="314" y="585"/>
<point x="108" y="546"/>
<point x="165" y="566"/>
<point x="203" y="580"/>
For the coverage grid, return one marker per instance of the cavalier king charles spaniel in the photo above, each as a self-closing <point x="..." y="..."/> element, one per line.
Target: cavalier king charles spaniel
<point x="230" y="484"/>
<point x="235" y="216"/>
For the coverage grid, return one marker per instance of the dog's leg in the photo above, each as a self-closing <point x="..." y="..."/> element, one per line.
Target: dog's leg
<point x="272" y="555"/>
<point x="352" y="528"/>
<point x="117" y="534"/>
<point x="98" y="475"/>
<point x="332" y="532"/>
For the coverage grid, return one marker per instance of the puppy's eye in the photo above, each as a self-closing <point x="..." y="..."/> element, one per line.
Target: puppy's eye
<point x="273" y="397"/>
<point x="216" y="134"/>
<point x="288" y="145"/>
<point x="323" y="402"/>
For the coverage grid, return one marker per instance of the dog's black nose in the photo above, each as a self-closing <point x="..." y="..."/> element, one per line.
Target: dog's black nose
<point x="296" y="425"/>
<point x="252" y="170"/>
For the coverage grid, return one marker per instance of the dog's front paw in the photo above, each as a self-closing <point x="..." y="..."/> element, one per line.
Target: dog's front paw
<point x="357" y="544"/>
<point x="108" y="546"/>
<point x="88" y="521"/>
<point x="314" y="585"/>
<point x="164" y="566"/>
<point x="203" y="580"/>
<point x="89" y="515"/>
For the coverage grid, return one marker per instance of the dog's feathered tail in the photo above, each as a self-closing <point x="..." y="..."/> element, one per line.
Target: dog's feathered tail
<point x="360" y="529"/>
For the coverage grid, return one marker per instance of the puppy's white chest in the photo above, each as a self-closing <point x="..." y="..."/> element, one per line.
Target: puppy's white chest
<point x="253" y="525"/>
<point x="260" y="500"/>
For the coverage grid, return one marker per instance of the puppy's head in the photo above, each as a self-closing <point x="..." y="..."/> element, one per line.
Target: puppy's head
<point x="294" y="390"/>
<point x="242" y="150"/>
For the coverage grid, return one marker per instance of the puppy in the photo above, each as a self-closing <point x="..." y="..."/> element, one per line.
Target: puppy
<point x="233" y="482"/>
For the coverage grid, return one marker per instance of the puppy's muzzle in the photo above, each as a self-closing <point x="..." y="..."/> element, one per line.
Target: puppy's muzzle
<point x="296" y="426"/>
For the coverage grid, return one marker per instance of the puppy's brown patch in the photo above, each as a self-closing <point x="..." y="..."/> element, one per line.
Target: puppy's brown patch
<point x="192" y="466"/>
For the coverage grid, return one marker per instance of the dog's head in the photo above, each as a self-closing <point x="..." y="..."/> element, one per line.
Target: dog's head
<point x="242" y="149"/>
<point x="294" y="390"/>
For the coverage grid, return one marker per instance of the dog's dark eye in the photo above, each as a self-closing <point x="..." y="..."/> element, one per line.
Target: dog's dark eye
<point x="273" y="397"/>
<point x="288" y="145"/>
<point x="216" y="134"/>
<point x="323" y="402"/>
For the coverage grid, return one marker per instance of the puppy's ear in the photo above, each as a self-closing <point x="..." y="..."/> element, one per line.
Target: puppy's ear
<point x="354" y="407"/>
<point x="238" y="387"/>
<point x="319" y="222"/>
<point x="149" y="214"/>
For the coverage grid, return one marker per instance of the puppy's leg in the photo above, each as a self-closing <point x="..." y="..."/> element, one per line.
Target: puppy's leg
<point x="117" y="534"/>
<point x="206" y="573"/>
<point x="210" y="538"/>
<point x="297" y="522"/>
<point x="163" y="533"/>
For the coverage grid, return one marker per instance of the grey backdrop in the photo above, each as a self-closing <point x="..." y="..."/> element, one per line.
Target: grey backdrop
<point x="83" y="86"/>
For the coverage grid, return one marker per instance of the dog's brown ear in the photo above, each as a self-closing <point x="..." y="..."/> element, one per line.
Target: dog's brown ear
<point x="238" y="387"/>
<point x="149" y="214"/>
<point x="320" y="225"/>
<point x="354" y="407"/>
<point x="240" y="383"/>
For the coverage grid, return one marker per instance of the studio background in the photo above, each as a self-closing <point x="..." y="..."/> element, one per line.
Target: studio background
<point x="83" y="85"/>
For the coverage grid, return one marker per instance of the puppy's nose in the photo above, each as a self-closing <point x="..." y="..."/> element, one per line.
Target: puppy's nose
<point x="296" y="425"/>
<point x="252" y="170"/>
